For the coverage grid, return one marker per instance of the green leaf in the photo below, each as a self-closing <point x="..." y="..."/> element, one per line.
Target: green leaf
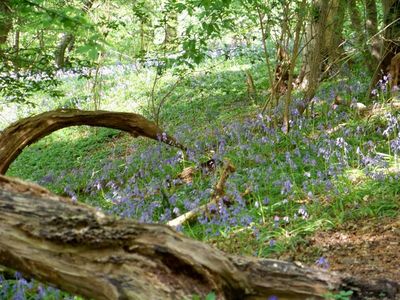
<point x="211" y="296"/>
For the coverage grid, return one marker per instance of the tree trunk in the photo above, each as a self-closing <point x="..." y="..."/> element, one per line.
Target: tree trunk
<point x="59" y="55"/>
<point x="296" y="46"/>
<point x="24" y="132"/>
<point x="334" y="33"/>
<point x="356" y="22"/>
<point x="82" y="251"/>
<point x="391" y="44"/>
<point x="68" y="39"/>
<point x="313" y="55"/>
<point x="5" y="21"/>
<point x="16" y="46"/>
<point x="369" y="48"/>
<point x="371" y="24"/>
<point x="170" y="29"/>
<point x="40" y="36"/>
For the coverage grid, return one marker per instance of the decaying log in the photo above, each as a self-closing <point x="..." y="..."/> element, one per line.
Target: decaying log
<point x="80" y="250"/>
<point x="29" y="130"/>
<point x="219" y="191"/>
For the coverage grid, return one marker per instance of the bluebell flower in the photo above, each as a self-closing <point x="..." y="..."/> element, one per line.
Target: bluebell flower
<point x="322" y="262"/>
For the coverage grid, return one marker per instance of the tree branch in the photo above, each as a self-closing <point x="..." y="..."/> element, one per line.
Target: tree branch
<point x="29" y="130"/>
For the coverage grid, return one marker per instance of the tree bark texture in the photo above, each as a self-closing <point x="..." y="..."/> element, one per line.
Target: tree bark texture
<point x="82" y="251"/>
<point x="392" y="32"/>
<point x="5" y="21"/>
<point x="334" y="32"/>
<point x="171" y="31"/>
<point x="356" y="22"/>
<point x="314" y="52"/>
<point x="67" y="39"/>
<point x="365" y="31"/>
<point x="29" y="130"/>
<point x="391" y="42"/>
<point x="371" y="24"/>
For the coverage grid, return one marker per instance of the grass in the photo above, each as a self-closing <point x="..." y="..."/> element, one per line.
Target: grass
<point x="310" y="179"/>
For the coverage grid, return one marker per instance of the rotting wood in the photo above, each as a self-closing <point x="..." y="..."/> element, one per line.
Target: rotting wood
<point x="80" y="250"/>
<point x="206" y="167"/>
<point x="26" y="131"/>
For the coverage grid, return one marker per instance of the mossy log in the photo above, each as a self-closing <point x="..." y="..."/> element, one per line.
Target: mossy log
<point x="80" y="250"/>
<point x="26" y="131"/>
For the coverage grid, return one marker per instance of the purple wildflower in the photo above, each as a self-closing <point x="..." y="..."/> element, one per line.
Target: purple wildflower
<point x="322" y="262"/>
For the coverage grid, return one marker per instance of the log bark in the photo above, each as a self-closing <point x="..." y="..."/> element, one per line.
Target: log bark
<point x="82" y="251"/>
<point x="29" y="130"/>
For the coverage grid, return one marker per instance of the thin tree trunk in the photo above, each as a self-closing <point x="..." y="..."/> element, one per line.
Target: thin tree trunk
<point x="293" y="60"/>
<point x="40" y="36"/>
<point x="142" y="47"/>
<point x="16" y="59"/>
<point x="82" y="251"/>
<point x="5" y="21"/>
<point x="371" y="24"/>
<point x="362" y="45"/>
<point x="266" y="58"/>
<point x="66" y="40"/>
<point x="171" y="32"/>
<point x="356" y="22"/>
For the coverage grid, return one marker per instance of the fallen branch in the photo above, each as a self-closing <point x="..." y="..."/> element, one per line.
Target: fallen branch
<point x="82" y="251"/>
<point x="188" y="173"/>
<point x="357" y="106"/>
<point x="29" y="130"/>
<point x="219" y="191"/>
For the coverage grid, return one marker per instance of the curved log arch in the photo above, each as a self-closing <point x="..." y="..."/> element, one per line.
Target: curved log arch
<point x="29" y="130"/>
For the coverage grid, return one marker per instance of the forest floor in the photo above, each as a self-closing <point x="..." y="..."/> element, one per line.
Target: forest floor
<point x="324" y="195"/>
<point x="366" y="248"/>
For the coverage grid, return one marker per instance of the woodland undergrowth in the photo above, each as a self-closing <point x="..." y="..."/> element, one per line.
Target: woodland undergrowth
<point x="333" y="166"/>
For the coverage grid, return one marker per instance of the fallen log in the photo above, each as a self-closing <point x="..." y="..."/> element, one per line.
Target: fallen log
<point x="82" y="251"/>
<point x="26" y="131"/>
